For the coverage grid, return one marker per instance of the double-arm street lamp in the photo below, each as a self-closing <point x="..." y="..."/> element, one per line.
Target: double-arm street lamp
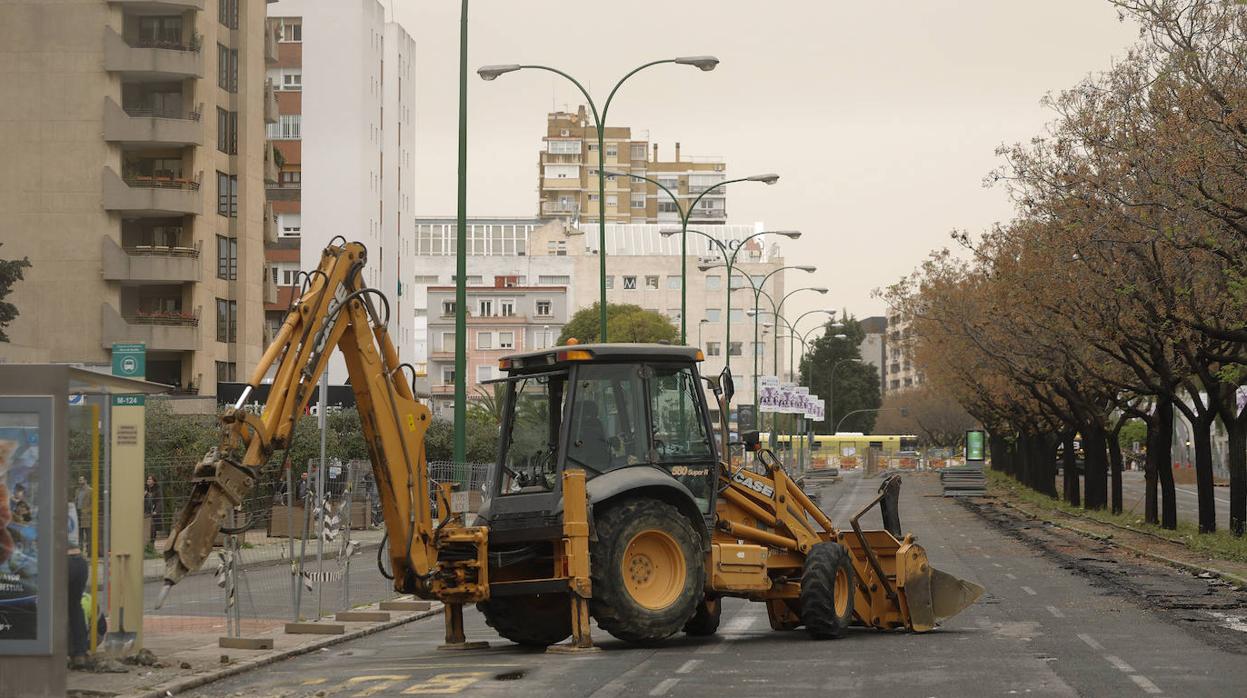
<point x="685" y="213"/>
<point x="729" y="250"/>
<point x="491" y="72"/>
<point x="776" y="307"/>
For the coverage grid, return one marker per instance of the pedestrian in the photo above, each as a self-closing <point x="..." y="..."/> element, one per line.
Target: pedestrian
<point x="78" y="573"/>
<point x="305" y="490"/>
<point x="18" y="505"/>
<point x="153" y="505"/>
<point x="82" y="500"/>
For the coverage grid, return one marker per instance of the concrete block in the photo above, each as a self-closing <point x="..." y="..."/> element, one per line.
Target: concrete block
<point x="405" y="605"/>
<point x="315" y="628"/>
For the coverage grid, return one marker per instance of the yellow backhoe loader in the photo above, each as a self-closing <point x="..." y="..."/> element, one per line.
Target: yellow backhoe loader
<point x="609" y="500"/>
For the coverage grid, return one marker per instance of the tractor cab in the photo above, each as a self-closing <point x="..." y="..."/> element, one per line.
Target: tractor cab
<point x="628" y="415"/>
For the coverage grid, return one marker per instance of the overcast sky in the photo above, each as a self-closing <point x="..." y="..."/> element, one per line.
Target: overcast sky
<point x="881" y="118"/>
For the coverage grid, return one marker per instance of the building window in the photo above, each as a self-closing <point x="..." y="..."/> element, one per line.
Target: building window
<point x="563" y="147"/>
<point x="226" y="371"/>
<point x="543" y="308"/>
<point x="287" y="128"/>
<point x="289" y="225"/>
<point x="734" y="348"/>
<point x="448" y="308"/>
<point x="485" y="307"/>
<point x="484" y="373"/>
<point x="638" y="151"/>
<point x="506" y="340"/>
<point x="448" y="376"/>
<point x="227" y="195"/>
<point x="638" y="201"/>
<point x="289" y="276"/>
<point x="610" y="282"/>
<point x="557" y="248"/>
<point x="448" y="342"/>
<point x="673" y="283"/>
<point x="713" y="315"/>
<point x="612" y="151"/>
<point x="227" y="68"/>
<point x="651" y="282"/>
<point x="484" y="340"/>
<point x="226" y="320"/>
<point x="226" y="258"/>
<point x="290" y="30"/>
<point x="737" y="314"/>
<point x="227" y="131"/>
<point x="554" y="280"/>
<point x="506" y="307"/>
<point x="290" y="178"/>
<point x="227" y="13"/>
<point x="292" y="82"/>
<point x="714" y="282"/>
<point x="668" y="207"/>
<point x="713" y="348"/>
<point x="629" y="283"/>
<point x="612" y="200"/>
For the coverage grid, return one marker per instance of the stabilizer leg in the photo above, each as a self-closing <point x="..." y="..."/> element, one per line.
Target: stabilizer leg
<point x="455" y="639"/>
<point x="576" y="547"/>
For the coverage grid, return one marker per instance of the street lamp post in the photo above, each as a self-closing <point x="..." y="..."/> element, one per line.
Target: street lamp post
<point x="685" y="214"/>
<point x="902" y="410"/>
<point x="460" y="449"/>
<point x="491" y="72"/>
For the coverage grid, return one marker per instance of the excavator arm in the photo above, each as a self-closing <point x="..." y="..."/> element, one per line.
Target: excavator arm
<point x="335" y="309"/>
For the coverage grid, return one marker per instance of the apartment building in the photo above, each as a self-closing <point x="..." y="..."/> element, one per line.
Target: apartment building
<point x="345" y="86"/>
<point x="873" y="347"/>
<point x="135" y="153"/>
<point x="568" y="182"/>
<point x="284" y="97"/>
<point x="902" y="373"/>
<point x="643" y="268"/>
<point x="502" y="319"/>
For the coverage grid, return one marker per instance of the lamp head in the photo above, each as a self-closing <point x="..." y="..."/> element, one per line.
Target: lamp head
<point x="491" y="72"/>
<point x="704" y="63"/>
<point x="790" y="234"/>
<point x="840" y="336"/>
<point x="769" y="178"/>
<point x="807" y="268"/>
<point x="820" y="289"/>
<point x="668" y="232"/>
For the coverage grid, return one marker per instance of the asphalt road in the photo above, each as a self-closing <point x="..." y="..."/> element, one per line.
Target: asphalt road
<point x="1133" y="489"/>
<point x="1050" y="624"/>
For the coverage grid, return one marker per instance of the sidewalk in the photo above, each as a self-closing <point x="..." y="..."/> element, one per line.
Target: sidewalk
<point x="264" y="550"/>
<point x="189" y="659"/>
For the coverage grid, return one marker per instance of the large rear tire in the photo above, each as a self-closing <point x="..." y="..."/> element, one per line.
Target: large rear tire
<point x="647" y="570"/>
<point x="532" y="621"/>
<point x="827" y="591"/>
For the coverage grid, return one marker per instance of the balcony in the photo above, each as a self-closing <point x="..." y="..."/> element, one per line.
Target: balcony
<point x="151" y="196"/>
<point x="270" y="224"/>
<point x="270" y="103"/>
<point x="161" y="5"/>
<point x="560" y="184"/>
<point x="556" y="208"/>
<point x="159" y="331"/>
<point x="148" y="264"/>
<point x="270" y="287"/>
<point x="152" y="60"/>
<point x="709" y="213"/>
<point x="560" y="158"/>
<point x="270" y="163"/>
<point x="270" y="42"/>
<point x="146" y="126"/>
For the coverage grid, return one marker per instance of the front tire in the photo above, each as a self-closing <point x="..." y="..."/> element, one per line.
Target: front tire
<point x="647" y="571"/>
<point x="827" y="591"/>
<point x="532" y="621"/>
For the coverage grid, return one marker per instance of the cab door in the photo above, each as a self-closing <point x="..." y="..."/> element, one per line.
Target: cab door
<point x="680" y="435"/>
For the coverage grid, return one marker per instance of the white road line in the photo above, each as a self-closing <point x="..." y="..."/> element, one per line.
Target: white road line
<point x="688" y="666"/>
<point x="664" y="686"/>
<point x="1056" y="612"/>
<point x="1146" y="684"/>
<point x="738" y="625"/>
<point x="1090" y="641"/>
<point x="1119" y="663"/>
<point x="997" y="564"/>
<point x="1010" y="575"/>
<point x="1196" y="495"/>
<point x="1030" y="591"/>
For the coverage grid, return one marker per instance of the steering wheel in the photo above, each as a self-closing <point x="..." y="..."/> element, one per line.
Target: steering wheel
<point x="660" y="446"/>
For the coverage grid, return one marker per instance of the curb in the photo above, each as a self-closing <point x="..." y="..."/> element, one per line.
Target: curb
<point x="1179" y="564"/>
<point x="173" y="688"/>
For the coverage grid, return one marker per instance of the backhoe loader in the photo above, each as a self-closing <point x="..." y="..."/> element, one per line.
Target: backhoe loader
<point x="610" y="498"/>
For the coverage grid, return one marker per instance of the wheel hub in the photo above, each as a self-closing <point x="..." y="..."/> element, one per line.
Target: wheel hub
<point x="653" y="569"/>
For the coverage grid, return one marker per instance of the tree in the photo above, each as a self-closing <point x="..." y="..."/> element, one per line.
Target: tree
<point x="10" y="273"/>
<point x="933" y="417"/>
<point x="856" y="384"/>
<point x="624" y="323"/>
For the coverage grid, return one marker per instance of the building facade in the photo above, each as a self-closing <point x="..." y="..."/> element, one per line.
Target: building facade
<point x="568" y="183"/>
<point x="505" y="318"/>
<point x="902" y="373"/>
<point x="643" y="268"/>
<point x="348" y="81"/>
<point x="135" y="151"/>
<point x="873" y="347"/>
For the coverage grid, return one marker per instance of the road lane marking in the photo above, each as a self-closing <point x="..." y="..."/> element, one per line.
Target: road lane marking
<point x="1091" y="642"/>
<point x="1196" y="495"/>
<point x="1010" y="575"/>
<point x="688" y="666"/>
<point x="736" y="626"/>
<point x="445" y="683"/>
<point x="315" y="682"/>
<point x="997" y="564"/>
<point x="1030" y="591"/>
<point x="1119" y="663"/>
<point x="382" y="683"/>
<point x="664" y="686"/>
<point x="1145" y="683"/>
<point x="1056" y="612"/>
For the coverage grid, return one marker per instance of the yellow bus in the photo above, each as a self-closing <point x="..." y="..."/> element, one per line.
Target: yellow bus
<point x="849" y="449"/>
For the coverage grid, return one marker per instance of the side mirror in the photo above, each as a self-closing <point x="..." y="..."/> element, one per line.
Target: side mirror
<point x="752" y="440"/>
<point x="727" y="384"/>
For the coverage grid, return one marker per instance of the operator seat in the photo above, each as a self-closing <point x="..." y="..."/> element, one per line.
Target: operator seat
<point x="590" y="445"/>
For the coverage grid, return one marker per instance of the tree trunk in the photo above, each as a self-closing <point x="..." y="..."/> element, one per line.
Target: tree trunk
<point x="1072" y="496"/>
<point x="1038" y="469"/>
<point x="1201" y="434"/>
<point x="1236" y="431"/>
<point x="999" y="451"/>
<point x="1048" y="460"/>
<point x="1115" y="465"/>
<point x="1164" y="463"/>
<point x="1096" y="477"/>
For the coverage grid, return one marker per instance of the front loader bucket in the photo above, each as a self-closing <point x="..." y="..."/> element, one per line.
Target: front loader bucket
<point x="931" y="595"/>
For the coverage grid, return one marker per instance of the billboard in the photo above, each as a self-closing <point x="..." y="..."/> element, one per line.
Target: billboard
<point x="26" y="546"/>
<point x="975" y="445"/>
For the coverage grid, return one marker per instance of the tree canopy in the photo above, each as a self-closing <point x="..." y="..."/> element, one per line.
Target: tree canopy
<point x="624" y="323"/>
<point x="10" y="273"/>
<point x="856" y="383"/>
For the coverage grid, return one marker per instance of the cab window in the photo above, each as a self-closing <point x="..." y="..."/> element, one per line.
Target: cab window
<point x="608" y="421"/>
<point x="679" y="432"/>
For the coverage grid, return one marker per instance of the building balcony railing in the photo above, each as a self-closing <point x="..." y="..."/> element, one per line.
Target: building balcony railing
<point x="270" y="224"/>
<point x="159" y="330"/>
<point x="561" y="158"/>
<point x="560" y="184"/>
<point x="442" y="390"/>
<point x="151" y="196"/>
<point x="442" y="355"/>
<point x="152" y="60"/>
<point x="162" y="4"/>
<point x="704" y="213"/>
<point x="271" y="111"/>
<point x="270" y="42"/>
<point x="554" y="208"/>
<point x="147" y="126"/>
<point x="149" y="264"/>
